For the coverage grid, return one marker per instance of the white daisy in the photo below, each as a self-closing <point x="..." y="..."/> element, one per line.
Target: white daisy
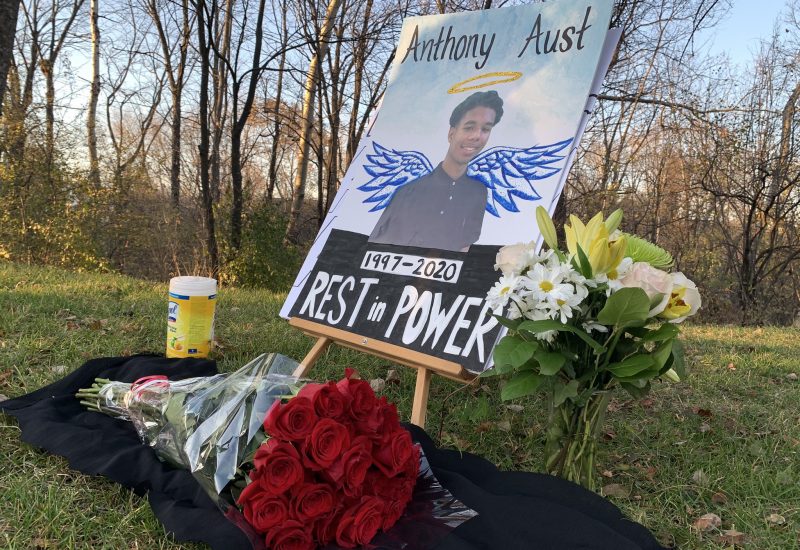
<point x="503" y="290"/>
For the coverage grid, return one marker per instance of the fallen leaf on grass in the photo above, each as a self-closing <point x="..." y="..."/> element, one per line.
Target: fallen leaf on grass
<point x="616" y="490"/>
<point x="377" y="384"/>
<point x="483" y="427"/>
<point x="707" y="522"/>
<point x="5" y="374"/>
<point x="3" y="397"/>
<point x="775" y="519"/>
<point x="646" y="403"/>
<point x="719" y="498"/>
<point x="607" y="473"/>
<point x="95" y="324"/>
<point x="732" y="536"/>
<point x="59" y="369"/>
<point x="515" y="408"/>
<point x="704" y="427"/>
<point x="72" y="325"/>
<point x="731" y="366"/>
<point x="791" y="376"/>
<point x="392" y="377"/>
<point x="504" y="425"/>
<point x="700" y="477"/>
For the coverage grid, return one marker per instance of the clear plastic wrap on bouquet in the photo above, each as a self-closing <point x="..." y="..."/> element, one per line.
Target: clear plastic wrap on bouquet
<point x="204" y="425"/>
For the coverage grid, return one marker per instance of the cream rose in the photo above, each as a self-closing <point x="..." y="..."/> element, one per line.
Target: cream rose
<point x="656" y="283"/>
<point x="513" y="258"/>
<point x="684" y="300"/>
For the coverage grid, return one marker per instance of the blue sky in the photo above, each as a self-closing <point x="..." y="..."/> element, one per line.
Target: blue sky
<point x="739" y="32"/>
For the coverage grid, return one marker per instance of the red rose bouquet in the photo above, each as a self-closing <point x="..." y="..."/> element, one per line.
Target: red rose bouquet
<point x="337" y="467"/>
<point x="307" y="466"/>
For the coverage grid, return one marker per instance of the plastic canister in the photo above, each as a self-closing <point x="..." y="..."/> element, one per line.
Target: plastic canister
<point x="190" y="316"/>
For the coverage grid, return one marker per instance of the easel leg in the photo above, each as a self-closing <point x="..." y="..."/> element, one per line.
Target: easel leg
<point x="311" y="358"/>
<point x="420" y="406"/>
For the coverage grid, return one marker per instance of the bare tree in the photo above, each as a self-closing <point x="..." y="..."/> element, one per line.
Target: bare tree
<point x="299" y="186"/>
<point x="176" y="75"/>
<point x="8" y="27"/>
<point x="94" y="96"/>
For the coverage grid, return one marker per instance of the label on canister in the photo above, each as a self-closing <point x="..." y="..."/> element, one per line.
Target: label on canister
<point x="190" y="325"/>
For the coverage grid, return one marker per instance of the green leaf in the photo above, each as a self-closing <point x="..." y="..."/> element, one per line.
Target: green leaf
<point x="586" y="266"/>
<point x="551" y="324"/>
<point x="522" y="353"/>
<point x="624" y="307"/>
<point x="497" y="370"/>
<point x="562" y="392"/>
<point x="678" y="360"/>
<point x="520" y="385"/>
<point x="478" y="412"/>
<point x="631" y="366"/>
<point x="502" y="351"/>
<point x="508" y="323"/>
<point x="662" y="353"/>
<point x="664" y="332"/>
<point x="637" y="392"/>
<point x="550" y="362"/>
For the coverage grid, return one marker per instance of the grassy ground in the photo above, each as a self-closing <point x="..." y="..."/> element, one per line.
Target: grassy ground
<point x="725" y="442"/>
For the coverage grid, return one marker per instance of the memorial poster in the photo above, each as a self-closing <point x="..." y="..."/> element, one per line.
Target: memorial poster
<point x="481" y="115"/>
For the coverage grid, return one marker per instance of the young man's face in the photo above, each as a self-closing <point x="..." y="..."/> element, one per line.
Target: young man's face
<point x="470" y="135"/>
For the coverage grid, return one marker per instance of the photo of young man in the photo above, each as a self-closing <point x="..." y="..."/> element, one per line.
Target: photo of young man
<point x="444" y="209"/>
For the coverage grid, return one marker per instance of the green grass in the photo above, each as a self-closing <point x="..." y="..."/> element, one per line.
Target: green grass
<point x="736" y="420"/>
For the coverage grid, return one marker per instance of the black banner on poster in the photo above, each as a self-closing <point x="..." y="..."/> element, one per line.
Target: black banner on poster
<point x="431" y="301"/>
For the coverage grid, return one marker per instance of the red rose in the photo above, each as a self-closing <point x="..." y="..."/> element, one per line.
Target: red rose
<point x="350" y="470"/>
<point x="412" y="466"/>
<point x="312" y="500"/>
<point x="292" y="535"/>
<point x="360" y="523"/>
<point x="261" y="509"/>
<point x="327" y="400"/>
<point x="327" y="442"/>
<point x="391" y="420"/>
<point x="392" y="511"/>
<point x="325" y="527"/>
<point x="292" y="421"/>
<point x="394" y="452"/>
<point x="360" y="395"/>
<point x="278" y="466"/>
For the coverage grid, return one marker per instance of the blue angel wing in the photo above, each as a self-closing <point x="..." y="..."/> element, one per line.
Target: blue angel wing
<point x="509" y="172"/>
<point x="390" y="170"/>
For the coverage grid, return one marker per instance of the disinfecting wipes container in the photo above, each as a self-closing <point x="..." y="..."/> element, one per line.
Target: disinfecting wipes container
<point x="190" y="317"/>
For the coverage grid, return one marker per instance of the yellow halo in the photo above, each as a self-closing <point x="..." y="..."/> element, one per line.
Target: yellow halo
<point x="500" y="77"/>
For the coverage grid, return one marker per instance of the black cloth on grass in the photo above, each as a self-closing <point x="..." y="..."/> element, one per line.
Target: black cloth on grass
<point x="517" y="510"/>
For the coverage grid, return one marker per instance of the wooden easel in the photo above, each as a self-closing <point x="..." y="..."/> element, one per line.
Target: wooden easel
<point x="425" y="364"/>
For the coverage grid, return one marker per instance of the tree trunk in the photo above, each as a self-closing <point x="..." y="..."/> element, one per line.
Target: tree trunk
<point x="8" y="27"/>
<point x="203" y="149"/>
<point x="299" y="187"/>
<point x="358" y="74"/>
<point x="239" y="122"/>
<point x="175" y="76"/>
<point x="94" y="94"/>
<point x="276" y="113"/>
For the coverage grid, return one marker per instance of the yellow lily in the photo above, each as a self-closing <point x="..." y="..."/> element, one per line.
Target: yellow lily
<point x="594" y="239"/>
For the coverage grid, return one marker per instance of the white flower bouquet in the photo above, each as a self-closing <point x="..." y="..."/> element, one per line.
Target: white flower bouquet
<point x="600" y="314"/>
